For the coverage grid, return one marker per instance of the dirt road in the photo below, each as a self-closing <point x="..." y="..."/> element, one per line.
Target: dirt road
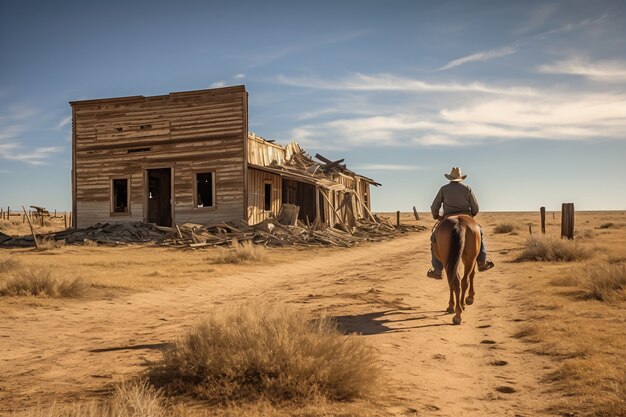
<point x="77" y="349"/>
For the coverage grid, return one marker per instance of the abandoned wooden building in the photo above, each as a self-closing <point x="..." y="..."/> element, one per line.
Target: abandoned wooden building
<point x="188" y="157"/>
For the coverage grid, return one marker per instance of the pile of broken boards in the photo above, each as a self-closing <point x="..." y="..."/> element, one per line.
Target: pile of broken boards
<point x="270" y="232"/>
<point x="101" y="233"/>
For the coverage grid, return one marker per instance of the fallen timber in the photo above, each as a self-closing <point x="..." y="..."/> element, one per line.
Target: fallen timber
<point x="269" y="232"/>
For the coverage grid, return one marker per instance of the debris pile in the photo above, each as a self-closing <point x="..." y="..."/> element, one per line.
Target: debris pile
<point x="270" y="232"/>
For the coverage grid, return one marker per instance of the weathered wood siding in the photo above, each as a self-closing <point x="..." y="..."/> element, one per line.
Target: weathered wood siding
<point x="263" y="153"/>
<point x="256" y="195"/>
<point x="189" y="132"/>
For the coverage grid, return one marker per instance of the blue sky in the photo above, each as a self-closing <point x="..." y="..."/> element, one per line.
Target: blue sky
<point x="528" y="98"/>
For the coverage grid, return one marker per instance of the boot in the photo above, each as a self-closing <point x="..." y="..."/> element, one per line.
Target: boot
<point x="433" y="273"/>
<point x="485" y="265"/>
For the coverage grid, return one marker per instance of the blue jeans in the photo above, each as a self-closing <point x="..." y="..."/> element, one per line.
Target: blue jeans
<point x="438" y="266"/>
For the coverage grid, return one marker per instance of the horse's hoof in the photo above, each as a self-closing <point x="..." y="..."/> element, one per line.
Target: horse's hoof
<point x="456" y="320"/>
<point x="450" y="310"/>
<point x="469" y="301"/>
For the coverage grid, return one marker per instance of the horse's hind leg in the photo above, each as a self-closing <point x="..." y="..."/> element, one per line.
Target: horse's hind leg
<point x="450" y="309"/>
<point x="470" y="294"/>
<point x="463" y="290"/>
<point x="457" y="293"/>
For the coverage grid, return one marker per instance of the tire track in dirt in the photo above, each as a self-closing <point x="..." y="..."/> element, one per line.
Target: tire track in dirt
<point x="379" y="291"/>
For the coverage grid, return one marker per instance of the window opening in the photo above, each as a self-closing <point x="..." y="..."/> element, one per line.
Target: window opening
<point x="268" y="197"/>
<point x="205" y="190"/>
<point x="120" y="195"/>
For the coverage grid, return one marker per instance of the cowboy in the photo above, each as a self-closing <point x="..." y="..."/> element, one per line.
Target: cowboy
<point x="456" y="198"/>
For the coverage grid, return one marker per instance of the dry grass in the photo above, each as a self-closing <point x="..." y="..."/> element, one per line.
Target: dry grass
<point x="9" y="264"/>
<point x="241" y="254"/>
<point x="605" y="282"/>
<point x="590" y="373"/>
<point x="553" y="250"/>
<point x="267" y="352"/>
<point x="35" y="281"/>
<point x="9" y="224"/>
<point x="47" y="244"/>
<point x="130" y="399"/>
<point x="585" y="234"/>
<point x="607" y="226"/>
<point x="504" y="228"/>
<point x="613" y="259"/>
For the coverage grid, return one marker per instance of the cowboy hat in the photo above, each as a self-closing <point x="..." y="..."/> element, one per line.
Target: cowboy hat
<point x="455" y="175"/>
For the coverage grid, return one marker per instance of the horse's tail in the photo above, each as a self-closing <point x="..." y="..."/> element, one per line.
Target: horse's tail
<point x="457" y="245"/>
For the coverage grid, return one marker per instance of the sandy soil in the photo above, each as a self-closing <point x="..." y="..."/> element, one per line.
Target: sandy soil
<point x="69" y="350"/>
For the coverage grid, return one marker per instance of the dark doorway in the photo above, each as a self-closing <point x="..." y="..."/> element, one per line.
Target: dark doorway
<point x="303" y="195"/>
<point x="160" y="196"/>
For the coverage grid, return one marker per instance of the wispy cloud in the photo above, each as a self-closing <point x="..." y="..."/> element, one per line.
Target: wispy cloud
<point x="14" y="124"/>
<point x="480" y="56"/>
<point x="14" y="120"/>
<point x="9" y="131"/>
<point x="269" y="56"/>
<point x="604" y="70"/>
<point x="388" y="82"/>
<point x="37" y="156"/>
<point x="553" y="116"/>
<point x="239" y="76"/>
<point x="218" y="84"/>
<point x="514" y="47"/>
<point x="66" y="121"/>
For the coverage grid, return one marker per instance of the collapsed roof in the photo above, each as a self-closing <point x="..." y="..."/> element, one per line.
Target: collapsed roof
<point x="295" y="163"/>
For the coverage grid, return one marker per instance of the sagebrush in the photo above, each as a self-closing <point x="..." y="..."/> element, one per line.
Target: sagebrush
<point x="553" y="250"/>
<point x="271" y="353"/>
<point x="504" y="228"/>
<point x="35" y="281"/>
<point x="605" y="282"/>
<point x="238" y="254"/>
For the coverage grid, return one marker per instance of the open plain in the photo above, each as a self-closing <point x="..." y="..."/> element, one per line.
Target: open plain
<point x="536" y="342"/>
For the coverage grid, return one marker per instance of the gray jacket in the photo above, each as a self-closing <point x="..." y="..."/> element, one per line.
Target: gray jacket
<point x="457" y="198"/>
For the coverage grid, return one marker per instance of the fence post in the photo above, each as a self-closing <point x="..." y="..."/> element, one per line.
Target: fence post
<point x="398" y="218"/>
<point x="65" y="219"/>
<point x="530" y="228"/>
<point x="8" y="212"/>
<point x="567" y="220"/>
<point x="417" y="216"/>
<point x="543" y="220"/>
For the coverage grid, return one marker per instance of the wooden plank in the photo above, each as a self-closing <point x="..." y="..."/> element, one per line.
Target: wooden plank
<point x="331" y="206"/>
<point x="32" y="230"/>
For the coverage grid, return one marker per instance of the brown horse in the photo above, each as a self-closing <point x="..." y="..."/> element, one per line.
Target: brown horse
<point x="457" y="243"/>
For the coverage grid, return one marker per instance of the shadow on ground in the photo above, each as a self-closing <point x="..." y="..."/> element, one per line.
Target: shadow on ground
<point x="388" y="321"/>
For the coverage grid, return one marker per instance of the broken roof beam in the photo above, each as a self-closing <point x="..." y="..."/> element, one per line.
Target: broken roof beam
<point x="330" y="164"/>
